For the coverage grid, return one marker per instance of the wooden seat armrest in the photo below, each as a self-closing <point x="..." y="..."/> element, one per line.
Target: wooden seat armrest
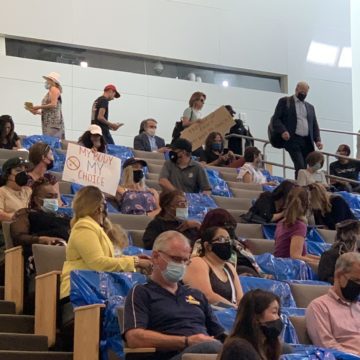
<point x="46" y="297"/>
<point x="128" y="350"/>
<point x="87" y="332"/>
<point x="14" y="277"/>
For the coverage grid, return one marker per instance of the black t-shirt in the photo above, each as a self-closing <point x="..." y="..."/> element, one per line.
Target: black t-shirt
<point x="349" y="171"/>
<point x="339" y="211"/>
<point x="100" y="103"/>
<point x="10" y="145"/>
<point x="326" y="267"/>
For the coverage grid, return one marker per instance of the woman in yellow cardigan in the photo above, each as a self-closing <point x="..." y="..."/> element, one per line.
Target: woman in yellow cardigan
<point x="89" y="247"/>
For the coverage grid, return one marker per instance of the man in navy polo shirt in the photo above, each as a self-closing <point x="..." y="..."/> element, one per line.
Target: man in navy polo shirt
<point x="166" y="314"/>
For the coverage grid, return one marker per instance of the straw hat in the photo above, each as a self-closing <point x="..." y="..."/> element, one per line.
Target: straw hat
<point x="53" y="76"/>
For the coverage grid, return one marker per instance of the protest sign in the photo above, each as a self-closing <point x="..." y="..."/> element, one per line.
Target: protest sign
<point x="85" y="167"/>
<point x="220" y="121"/>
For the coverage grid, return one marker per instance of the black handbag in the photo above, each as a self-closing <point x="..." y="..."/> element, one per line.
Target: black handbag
<point x="178" y="128"/>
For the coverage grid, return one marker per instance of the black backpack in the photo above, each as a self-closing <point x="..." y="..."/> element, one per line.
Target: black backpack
<point x="275" y="138"/>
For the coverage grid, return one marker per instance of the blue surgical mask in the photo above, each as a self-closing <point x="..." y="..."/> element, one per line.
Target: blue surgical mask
<point x="50" y="205"/>
<point x="182" y="213"/>
<point x="216" y="146"/>
<point x="174" y="272"/>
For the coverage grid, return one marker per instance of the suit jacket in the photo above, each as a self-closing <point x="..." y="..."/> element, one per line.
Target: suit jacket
<point x="141" y="142"/>
<point x="285" y="119"/>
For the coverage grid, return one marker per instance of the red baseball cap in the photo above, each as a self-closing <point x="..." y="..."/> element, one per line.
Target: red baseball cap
<point x="113" y="88"/>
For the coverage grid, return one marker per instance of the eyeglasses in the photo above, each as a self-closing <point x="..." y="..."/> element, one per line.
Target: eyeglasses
<point x="176" y="259"/>
<point x="182" y="203"/>
<point x="221" y="240"/>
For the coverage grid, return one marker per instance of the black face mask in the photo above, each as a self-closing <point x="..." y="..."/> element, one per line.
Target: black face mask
<point x="138" y="175"/>
<point x="301" y="96"/>
<point x="222" y="250"/>
<point x="173" y="156"/>
<point x="272" y="329"/>
<point x="351" y="291"/>
<point x="21" y="178"/>
<point x="51" y="165"/>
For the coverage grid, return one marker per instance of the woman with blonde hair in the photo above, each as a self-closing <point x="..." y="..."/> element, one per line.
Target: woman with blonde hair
<point x="329" y="209"/>
<point x="291" y="232"/>
<point x="52" y="120"/>
<point x="133" y="196"/>
<point x="89" y="246"/>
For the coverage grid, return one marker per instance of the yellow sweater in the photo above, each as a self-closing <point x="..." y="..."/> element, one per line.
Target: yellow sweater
<point x="89" y="248"/>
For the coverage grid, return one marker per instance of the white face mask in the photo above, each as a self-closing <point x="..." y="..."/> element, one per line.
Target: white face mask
<point x="47" y="86"/>
<point x="50" y="205"/>
<point x="317" y="167"/>
<point x="182" y="213"/>
<point x="151" y="132"/>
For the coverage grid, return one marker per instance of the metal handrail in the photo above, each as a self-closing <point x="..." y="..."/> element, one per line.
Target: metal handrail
<point x="284" y="166"/>
<point x="340" y="132"/>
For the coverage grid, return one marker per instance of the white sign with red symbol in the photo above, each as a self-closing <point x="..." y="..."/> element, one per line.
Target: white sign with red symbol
<point x="85" y="167"/>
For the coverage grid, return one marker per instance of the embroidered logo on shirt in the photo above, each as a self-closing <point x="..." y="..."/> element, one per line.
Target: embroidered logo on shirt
<point x="191" y="175"/>
<point x="191" y="300"/>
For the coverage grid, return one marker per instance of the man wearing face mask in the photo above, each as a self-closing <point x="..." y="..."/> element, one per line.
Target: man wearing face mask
<point x="147" y="139"/>
<point x="333" y="320"/>
<point x="183" y="173"/>
<point x="164" y="313"/>
<point x="14" y="194"/>
<point x="295" y="121"/>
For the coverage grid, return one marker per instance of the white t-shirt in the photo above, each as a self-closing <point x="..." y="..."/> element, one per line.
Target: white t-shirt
<point x="257" y="176"/>
<point x="192" y="114"/>
<point x="306" y="178"/>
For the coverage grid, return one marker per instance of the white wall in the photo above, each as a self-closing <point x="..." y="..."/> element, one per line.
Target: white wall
<point x="272" y="36"/>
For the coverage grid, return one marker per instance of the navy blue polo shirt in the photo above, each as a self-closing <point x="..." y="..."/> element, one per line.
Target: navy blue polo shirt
<point x="185" y="313"/>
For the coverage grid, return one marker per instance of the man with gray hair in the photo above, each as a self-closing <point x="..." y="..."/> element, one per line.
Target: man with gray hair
<point x="295" y="123"/>
<point x="164" y="313"/>
<point x="333" y="320"/>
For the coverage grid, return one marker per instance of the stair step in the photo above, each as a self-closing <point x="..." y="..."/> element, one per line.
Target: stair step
<point x="23" y="324"/>
<point x="23" y="342"/>
<point x="7" y="307"/>
<point x="35" y="355"/>
<point x="2" y="291"/>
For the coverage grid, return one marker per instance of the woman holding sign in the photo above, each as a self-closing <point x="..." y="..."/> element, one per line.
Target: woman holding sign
<point x="52" y="120"/>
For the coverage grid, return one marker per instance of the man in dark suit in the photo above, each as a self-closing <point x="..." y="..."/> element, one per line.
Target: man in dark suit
<point x="295" y="120"/>
<point x="147" y="140"/>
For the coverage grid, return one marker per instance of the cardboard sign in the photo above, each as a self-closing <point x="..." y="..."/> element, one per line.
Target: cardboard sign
<point x="85" y="167"/>
<point x="220" y="121"/>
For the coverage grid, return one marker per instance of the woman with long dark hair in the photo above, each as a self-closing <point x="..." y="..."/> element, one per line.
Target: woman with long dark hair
<point x="93" y="139"/>
<point x="255" y="335"/>
<point x="8" y="137"/>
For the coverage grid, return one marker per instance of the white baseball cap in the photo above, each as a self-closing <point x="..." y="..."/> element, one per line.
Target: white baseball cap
<point x="95" y="129"/>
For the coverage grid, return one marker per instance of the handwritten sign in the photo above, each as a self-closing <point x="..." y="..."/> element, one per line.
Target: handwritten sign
<point x="84" y="167"/>
<point x="220" y="121"/>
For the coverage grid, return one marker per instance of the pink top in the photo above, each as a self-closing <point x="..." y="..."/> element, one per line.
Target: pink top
<point x="334" y="323"/>
<point x="283" y="235"/>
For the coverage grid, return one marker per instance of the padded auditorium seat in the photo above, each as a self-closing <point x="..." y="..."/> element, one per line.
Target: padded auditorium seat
<point x="130" y="222"/>
<point x="153" y="184"/>
<point x="246" y="194"/>
<point x="241" y="185"/>
<point x="199" y="357"/>
<point x="152" y="176"/>
<point x="136" y="236"/>
<point x="299" y="324"/>
<point x="65" y="187"/>
<point x="260" y="246"/>
<point x="48" y="258"/>
<point x="154" y="168"/>
<point x="232" y="203"/>
<point x="8" y="154"/>
<point x="249" y="231"/>
<point x="328" y="235"/>
<point x="146" y="155"/>
<point x="305" y="293"/>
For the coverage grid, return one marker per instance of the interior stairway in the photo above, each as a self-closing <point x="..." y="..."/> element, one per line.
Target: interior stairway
<point x="17" y="339"/>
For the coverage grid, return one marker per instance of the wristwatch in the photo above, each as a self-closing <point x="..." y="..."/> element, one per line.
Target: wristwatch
<point x="136" y="261"/>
